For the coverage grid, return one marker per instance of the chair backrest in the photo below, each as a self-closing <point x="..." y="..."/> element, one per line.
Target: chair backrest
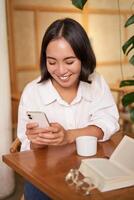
<point x="15" y="146"/>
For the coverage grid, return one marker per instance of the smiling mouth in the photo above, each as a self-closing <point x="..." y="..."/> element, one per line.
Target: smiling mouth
<point x="64" y="78"/>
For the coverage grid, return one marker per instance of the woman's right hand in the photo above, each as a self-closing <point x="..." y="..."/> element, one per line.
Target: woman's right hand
<point x="32" y="132"/>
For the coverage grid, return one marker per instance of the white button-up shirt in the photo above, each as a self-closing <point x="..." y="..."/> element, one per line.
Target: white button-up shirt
<point x="93" y="105"/>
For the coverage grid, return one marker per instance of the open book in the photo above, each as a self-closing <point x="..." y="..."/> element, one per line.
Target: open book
<point x="114" y="173"/>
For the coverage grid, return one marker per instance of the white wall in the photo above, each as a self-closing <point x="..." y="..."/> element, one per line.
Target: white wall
<point x="6" y="174"/>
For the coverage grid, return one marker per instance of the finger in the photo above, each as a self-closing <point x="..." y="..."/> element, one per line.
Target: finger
<point x="31" y="125"/>
<point x="36" y="131"/>
<point x="31" y="138"/>
<point x="49" y="135"/>
<point x="53" y="129"/>
<point x="47" y="141"/>
<point x="32" y="132"/>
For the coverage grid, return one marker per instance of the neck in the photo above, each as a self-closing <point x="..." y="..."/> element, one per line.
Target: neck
<point x="67" y="94"/>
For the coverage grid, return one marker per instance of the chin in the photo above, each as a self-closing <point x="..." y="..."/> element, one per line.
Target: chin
<point x="67" y="84"/>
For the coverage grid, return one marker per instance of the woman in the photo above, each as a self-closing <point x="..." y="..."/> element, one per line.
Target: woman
<point x="76" y="100"/>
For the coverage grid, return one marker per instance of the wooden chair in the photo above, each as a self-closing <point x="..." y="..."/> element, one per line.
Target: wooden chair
<point x="15" y="147"/>
<point x="125" y="121"/>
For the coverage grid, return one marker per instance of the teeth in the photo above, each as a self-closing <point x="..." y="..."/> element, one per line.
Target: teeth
<point x="63" y="77"/>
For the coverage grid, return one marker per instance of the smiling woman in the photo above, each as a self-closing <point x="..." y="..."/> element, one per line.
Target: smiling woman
<point x="68" y="88"/>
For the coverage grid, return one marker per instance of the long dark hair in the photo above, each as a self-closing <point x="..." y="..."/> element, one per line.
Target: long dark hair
<point x="76" y="36"/>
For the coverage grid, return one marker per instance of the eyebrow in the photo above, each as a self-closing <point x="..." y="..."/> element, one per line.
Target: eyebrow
<point x="69" y="57"/>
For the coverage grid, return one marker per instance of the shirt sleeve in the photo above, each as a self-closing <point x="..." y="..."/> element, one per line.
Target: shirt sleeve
<point x="21" y="127"/>
<point x="105" y="115"/>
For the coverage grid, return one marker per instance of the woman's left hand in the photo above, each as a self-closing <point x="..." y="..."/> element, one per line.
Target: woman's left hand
<point x="56" y="135"/>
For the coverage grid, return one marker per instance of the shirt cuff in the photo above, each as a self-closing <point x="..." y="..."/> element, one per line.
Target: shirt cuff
<point x="107" y="132"/>
<point x="25" y="145"/>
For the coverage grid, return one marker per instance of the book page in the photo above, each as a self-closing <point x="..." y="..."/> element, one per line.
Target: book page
<point x="105" y="168"/>
<point x="123" y="155"/>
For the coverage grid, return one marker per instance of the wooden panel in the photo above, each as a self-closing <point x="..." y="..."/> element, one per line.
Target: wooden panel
<point x="126" y="4"/>
<point x="52" y="3"/>
<point x="105" y="4"/>
<point x="15" y="103"/>
<point x="24" y="38"/>
<point x="109" y="73"/>
<point x="9" y="9"/>
<point x="106" y="48"/>
<point x="128" y="70"/>
<point x="25" y="77"/>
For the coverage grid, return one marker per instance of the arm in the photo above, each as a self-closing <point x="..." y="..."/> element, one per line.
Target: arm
<point x="105" y="115"/>
<point x="89" y="130"/>
<point x="57" y="135"/>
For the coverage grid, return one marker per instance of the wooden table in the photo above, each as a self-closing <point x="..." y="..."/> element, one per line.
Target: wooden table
<point x="47" y="169"/>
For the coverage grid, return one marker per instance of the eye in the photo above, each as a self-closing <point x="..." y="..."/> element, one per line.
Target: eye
<point x="69" y="62"/>
<point x="51" y="63"/>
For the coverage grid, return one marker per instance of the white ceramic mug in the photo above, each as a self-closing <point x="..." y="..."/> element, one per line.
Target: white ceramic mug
<point x="86" y="145"/>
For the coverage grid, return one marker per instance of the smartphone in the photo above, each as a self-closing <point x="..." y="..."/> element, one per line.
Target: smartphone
<point x="39" y="117"/>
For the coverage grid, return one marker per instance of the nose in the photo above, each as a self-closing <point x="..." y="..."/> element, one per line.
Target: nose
<point x="62" y="69"/>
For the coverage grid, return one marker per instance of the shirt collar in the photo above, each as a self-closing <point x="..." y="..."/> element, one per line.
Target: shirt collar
<point x="49" y="94"/>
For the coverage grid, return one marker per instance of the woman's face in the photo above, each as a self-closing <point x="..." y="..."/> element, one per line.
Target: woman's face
<point x="62" y="64"/>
